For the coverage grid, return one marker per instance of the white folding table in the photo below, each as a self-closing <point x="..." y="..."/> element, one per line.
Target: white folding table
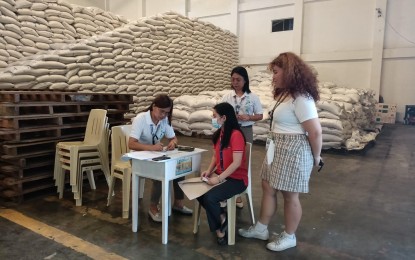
<point x="180" y="164"/>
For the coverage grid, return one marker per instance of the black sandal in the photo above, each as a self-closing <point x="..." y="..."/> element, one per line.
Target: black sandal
<point x="223" y="241"/>
<point x="223" y="229"/>
<point x="224" y="226"/>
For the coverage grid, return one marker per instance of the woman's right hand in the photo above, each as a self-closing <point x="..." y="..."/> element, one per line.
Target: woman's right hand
<point x="158" y="147"/>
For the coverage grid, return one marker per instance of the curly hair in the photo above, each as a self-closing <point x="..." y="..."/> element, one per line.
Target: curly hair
<point x="298" y="78"/>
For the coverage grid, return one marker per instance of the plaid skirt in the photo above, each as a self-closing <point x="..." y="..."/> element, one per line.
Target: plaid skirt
<point x="292" y="164"/>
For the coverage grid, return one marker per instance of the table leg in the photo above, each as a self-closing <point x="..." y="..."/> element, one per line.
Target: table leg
<point x="135" y="187"/>
<point x="169" y="195"/>
<point x="196" y="216"/>
<point x="165" y="211"/>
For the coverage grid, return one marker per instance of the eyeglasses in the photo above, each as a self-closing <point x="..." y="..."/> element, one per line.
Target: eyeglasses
<point x="163" y="111"/>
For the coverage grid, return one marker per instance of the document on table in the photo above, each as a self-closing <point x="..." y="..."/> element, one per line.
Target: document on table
<point x="147" y="155"/>
<point x="142" y="155"/>
<point x="195" y="187"/>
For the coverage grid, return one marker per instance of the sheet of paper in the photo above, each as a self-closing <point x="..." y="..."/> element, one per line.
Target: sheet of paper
<point x="195" y="187"/>
<point x="142" y="155"/>
<point x="147" y="155"/>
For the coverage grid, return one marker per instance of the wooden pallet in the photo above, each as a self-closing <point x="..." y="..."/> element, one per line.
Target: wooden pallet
<point x="22" y="154"/>
<point x="28" y="171"/>
<point x="32" y="122"/>
<point x="21" y="188"/>
<point x="51" y="96"/>
<point x="46" y="132"/>
<point x="56" y="108"/>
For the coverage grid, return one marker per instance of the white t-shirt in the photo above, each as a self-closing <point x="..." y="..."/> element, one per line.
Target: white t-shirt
<point x="248" y="104"/>
<point x="145" y="131"/>
<point x="289" y="115"/>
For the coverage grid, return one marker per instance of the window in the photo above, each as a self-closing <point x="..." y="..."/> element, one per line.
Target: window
<point x="282" y="25"/>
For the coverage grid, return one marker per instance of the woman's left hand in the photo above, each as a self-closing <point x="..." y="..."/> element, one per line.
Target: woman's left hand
<point x="243" y="117"/>
<point x="213" y="181"/>
<point x="171" y="145"/>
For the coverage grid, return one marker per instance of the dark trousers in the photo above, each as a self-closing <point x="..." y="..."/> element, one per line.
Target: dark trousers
<point x="248" y="133"/>
<point x="156" y="191"/>
<point x="211" y="200"/>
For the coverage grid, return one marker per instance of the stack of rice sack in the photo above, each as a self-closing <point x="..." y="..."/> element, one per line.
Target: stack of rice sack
<point x="193" y="113"/>
<point x="30" y="27"/>
<point x="260" y="84"/>
<point x="51" y="45"/>
<point x="344" y="111"/>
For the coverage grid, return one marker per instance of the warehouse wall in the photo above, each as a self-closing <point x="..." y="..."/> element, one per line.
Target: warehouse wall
<point x="348" y="41"/>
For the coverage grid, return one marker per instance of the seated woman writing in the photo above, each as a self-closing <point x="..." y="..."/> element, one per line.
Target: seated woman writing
<point x="148" y="129"/>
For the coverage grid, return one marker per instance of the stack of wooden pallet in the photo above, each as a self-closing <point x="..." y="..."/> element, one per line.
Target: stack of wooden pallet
<point x="31" y="123"/>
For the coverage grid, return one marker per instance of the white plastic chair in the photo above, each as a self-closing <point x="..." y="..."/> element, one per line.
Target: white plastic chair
<point x="121" y="169"/>
<point x="231" y="204"/>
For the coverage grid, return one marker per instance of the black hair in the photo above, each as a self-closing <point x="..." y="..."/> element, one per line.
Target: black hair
<point x="244" y="74"/>
<point x="162" y="101"/>
<point x="230" y="124"/>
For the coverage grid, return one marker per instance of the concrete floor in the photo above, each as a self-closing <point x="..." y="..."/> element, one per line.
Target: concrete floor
<point x="361" y="206"/>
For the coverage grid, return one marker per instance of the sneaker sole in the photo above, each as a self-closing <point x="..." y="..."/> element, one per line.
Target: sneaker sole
<point x="279" y="250"/>
<point x="186" y="213"/>
<point x="260" y="238"/>
<point x="154" y="218"/>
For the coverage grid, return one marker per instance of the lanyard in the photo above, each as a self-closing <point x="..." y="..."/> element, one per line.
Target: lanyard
<point x="221" y="153"/>
<point x="238" y="106"/>
<point x="154" y="133"/>
<point x="271" y="113"/>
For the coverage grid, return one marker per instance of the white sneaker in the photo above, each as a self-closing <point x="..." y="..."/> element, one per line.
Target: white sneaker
<point x="282" y="242"/>
<point x="252" y="233"/>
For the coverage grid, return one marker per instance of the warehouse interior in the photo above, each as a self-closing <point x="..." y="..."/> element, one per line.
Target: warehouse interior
<point x="59" y="60"/>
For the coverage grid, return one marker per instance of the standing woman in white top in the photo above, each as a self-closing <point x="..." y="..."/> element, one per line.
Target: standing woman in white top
<point x="247" y="105"/>
<point x="297" y="136"/>
<point x="147" y="131"/>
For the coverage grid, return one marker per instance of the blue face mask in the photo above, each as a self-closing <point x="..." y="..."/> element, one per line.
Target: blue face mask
<point x="215" y="123"/>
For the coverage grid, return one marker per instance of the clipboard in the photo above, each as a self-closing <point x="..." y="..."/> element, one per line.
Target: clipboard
<point x="195" y="187"/>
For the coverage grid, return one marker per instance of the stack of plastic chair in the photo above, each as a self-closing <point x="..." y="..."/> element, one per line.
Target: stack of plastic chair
<point x="121" y="169"/>
<point x="83" y="156"/>
<point x="89" y="161"/>
<point x="231" y="204"/>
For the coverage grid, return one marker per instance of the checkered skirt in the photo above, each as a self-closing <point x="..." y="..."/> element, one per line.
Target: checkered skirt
<point x="292" y="164"/>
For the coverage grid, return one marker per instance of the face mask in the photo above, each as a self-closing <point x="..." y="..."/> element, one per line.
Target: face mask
<point x="215" y="123"/>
